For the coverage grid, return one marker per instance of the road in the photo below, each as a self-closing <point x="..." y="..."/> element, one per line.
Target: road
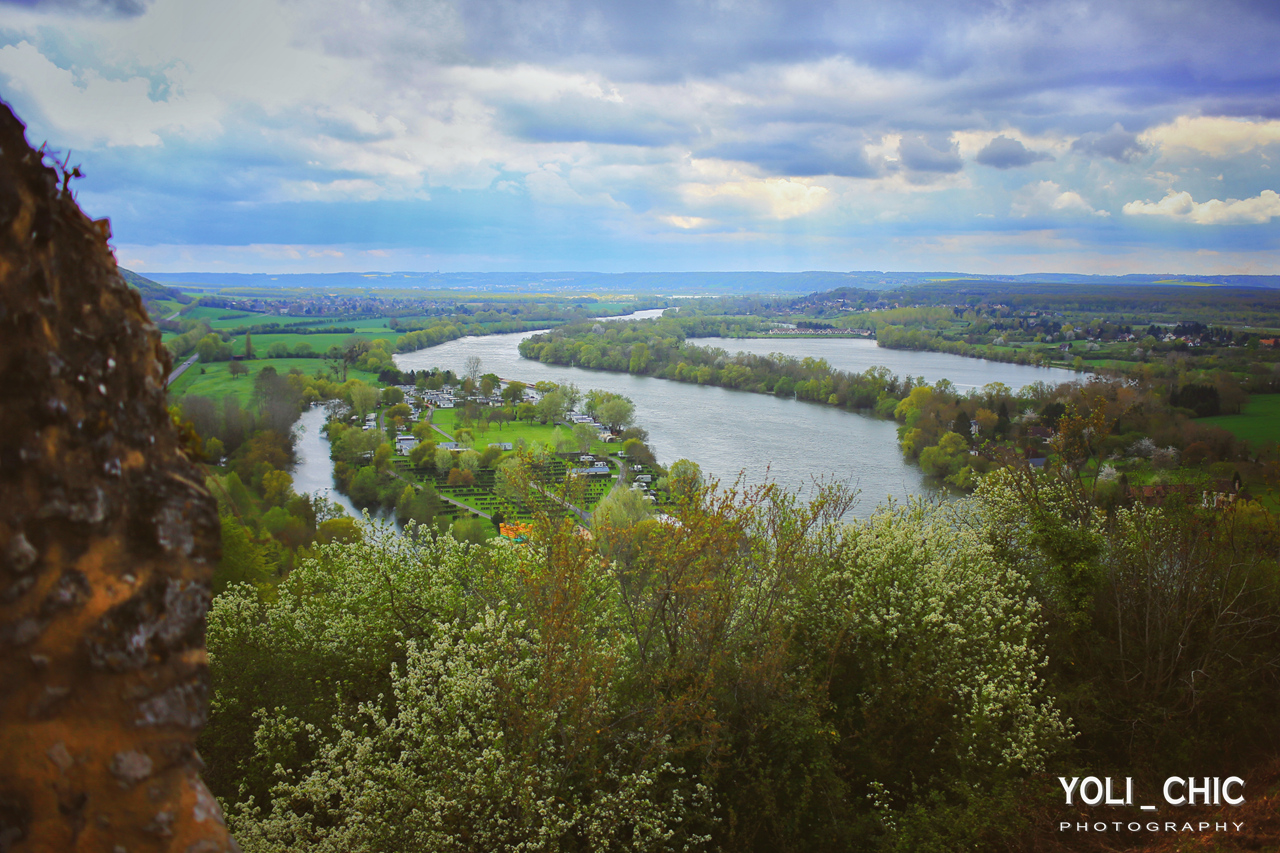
<point x="181" y="369"/>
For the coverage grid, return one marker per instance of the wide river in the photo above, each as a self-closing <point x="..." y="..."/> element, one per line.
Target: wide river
<point x="760" y="437"/>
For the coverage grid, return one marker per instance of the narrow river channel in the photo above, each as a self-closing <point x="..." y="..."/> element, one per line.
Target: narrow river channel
<point x="761" y="437"/>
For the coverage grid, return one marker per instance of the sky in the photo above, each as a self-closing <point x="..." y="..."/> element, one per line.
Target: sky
<point x="501" y="135"/>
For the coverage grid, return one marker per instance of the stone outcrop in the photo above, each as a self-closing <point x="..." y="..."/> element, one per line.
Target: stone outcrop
<point x="107" y="543"/>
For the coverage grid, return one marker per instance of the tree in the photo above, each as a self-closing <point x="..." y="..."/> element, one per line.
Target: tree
<point x="364" y="398"/>
<point x="460" y="477"/>
<point x="237" y="369"/>
<point x="207" y="347"/>
<point x="639" y="358"/>
<point x="514" y="392"/>
<point x="552" y="407"/>
<point x="248" y="345"/>
<point x="617" y="413"/>
<point x="637" y="451"/>
<point x="444" y="460"/>
<point x="471" y="370"/>
<point x="278" y="349"/>
<point x="684" y="479"/>
<point x="423" y="455"/>
<point x="585" y="435"/>
<point x="418" y="504"/>
<point x="277" y="488"/>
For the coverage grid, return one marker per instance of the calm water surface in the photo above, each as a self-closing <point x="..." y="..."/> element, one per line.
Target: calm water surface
<point x="313" y="472"/>
<point x="758" y="436"/>
<point x="857" y="354"/>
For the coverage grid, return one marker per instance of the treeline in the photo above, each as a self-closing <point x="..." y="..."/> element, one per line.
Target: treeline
<point x="659" y="347"/>
<point x="1128" y="428"/>
<point x="953" y="436"/>
<point x="749" y="674"/>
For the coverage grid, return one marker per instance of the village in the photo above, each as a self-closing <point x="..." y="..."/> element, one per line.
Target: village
<point x="444" y="445"/>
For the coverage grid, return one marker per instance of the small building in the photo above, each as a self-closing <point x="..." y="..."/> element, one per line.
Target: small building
<point x="503" y="445"/>
<point x="405" y="443"/>
<point x="597" y="470"/>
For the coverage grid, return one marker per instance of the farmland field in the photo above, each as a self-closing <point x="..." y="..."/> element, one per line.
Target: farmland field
<point x="1259" y="423"/>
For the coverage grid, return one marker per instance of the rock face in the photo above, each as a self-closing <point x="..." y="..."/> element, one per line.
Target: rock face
<point x="107" y="543"/>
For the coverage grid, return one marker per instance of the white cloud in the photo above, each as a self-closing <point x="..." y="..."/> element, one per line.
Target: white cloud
<point x="1215" y="136"/>
<point x="1047" y="197"/>
<point x="91" y="109"/>
<point x="686" y="222"/>
<point x="777" y="198"/>
<point x="1180" y="205"/>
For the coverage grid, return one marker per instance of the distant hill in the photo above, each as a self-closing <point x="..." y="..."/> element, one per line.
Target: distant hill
<point x="152" y="290"/>
<point x="675" y="282"/>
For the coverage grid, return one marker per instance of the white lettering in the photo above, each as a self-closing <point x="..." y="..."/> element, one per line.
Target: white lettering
<point x="1202" y="790"/>
<point x="1168" y="798"/>
<point x="1064" y="826"/>
<point x="1118" y="801"/>
<point x="1070" y="789"/>
<point x="1096" y="797"/>
<point x="1238" y="826"/>
<point x="1226" y="788"/>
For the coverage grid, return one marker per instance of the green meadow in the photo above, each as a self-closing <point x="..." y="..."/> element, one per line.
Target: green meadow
<point x="1259" y="423"/>
<point x="215" y="380"/>
<point x="447" y="420"/>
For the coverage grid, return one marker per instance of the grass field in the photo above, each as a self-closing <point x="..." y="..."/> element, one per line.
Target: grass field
<point x="216" y="381"/>
<point x="1259" y="423"/>
<point x="446" y="419"/>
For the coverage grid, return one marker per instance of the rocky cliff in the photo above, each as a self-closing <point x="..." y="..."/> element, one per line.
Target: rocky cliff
<point x="107" y="544"/>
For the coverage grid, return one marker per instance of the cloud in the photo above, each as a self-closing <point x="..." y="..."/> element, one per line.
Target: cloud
<point x="1005" y="153"/>
<point x="1215" y="136"/>
<point x="90" y="108"/>
<point x="1048" y="198"/>
<point x="937" y="155"/>
<point x="574" y="118"/>
<point x="686" y="222"/>
<point x="777" y="198"/>
<point x="1117" y="144"/>
<point x="1181" y="206"/>
<point x="805" y="156"/>
<point x="126" y="8"/>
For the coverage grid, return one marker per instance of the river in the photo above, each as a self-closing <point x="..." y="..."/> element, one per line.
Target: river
<point x="313" y="472"/>
<point x="758" y="436"/>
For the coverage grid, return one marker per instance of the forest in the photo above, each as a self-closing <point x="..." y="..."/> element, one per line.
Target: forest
<point x="749" y="673"/>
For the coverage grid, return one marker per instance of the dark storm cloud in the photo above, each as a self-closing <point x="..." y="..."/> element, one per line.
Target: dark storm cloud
<point x="937" y="155"/>
<point x="1005" y="153"/>
<point x="578" y="119"/>
<point x="1117" y="143"/>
